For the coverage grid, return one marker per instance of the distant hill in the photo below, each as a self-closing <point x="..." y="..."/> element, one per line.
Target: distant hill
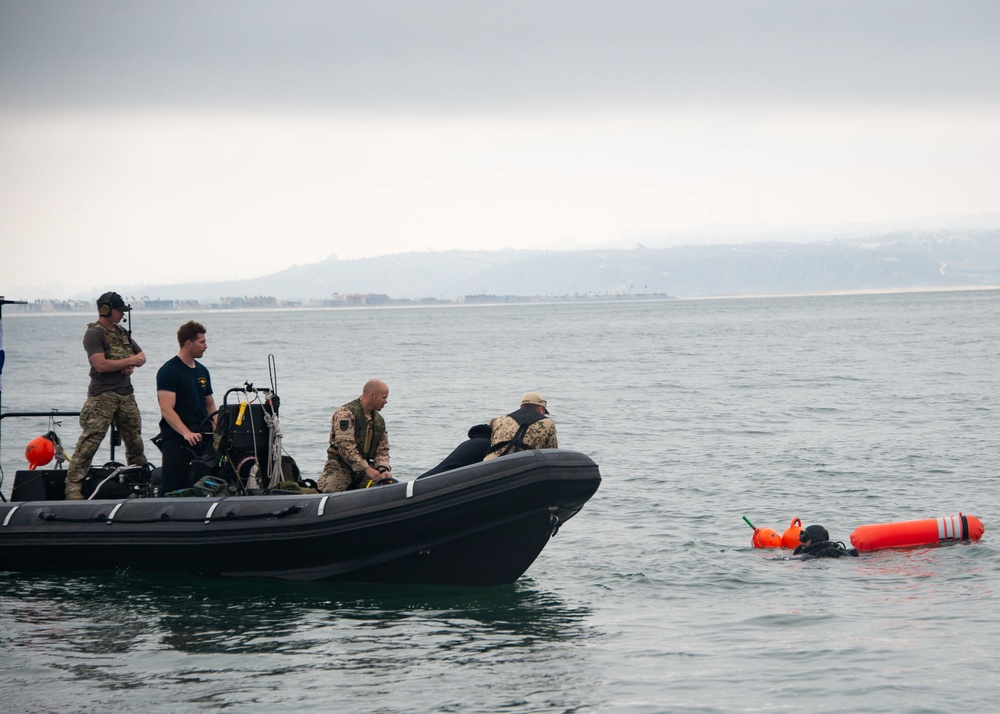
<point x="889" y="261"/>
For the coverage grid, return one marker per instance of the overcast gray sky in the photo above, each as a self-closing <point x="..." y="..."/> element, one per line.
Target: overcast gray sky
<point x="171" y="141"/>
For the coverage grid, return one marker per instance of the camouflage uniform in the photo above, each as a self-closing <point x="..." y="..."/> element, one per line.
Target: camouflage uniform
<point x="541" y="434"/>
<point x="109" y="400"/>
<point x="347" y="455"/>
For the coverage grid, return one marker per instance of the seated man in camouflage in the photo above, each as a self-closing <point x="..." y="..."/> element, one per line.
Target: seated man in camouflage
<point x="358" y="455"/>
<point x="527" y="428"/>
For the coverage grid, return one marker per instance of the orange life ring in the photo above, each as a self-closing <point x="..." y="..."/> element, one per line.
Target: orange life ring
<point x="925" y="532"/>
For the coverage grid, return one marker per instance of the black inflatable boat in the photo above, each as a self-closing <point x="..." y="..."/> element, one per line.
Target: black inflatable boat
<point x="480" y="525"/>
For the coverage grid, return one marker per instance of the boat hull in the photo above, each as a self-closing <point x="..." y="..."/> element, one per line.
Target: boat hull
<point x="479" y="525"/>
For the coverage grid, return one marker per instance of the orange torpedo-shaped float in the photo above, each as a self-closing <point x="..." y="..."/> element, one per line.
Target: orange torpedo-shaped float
<point x="924" y="532"/>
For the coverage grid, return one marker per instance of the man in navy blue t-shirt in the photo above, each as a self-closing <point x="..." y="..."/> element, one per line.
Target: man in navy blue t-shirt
<point x="184" y="391"/>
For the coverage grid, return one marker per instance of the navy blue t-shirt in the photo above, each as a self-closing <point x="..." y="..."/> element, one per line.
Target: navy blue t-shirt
<point x="191" y="385"/>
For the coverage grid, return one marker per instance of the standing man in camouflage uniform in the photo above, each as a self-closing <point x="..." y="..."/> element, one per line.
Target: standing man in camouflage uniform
<point x="113" y="356"/>
<point x="527" y="428"/>
<point x="358" y="455"/>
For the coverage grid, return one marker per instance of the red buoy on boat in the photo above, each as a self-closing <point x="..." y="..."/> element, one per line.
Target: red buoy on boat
<point x="39" y="452"/>
<point x="924" y="532"/>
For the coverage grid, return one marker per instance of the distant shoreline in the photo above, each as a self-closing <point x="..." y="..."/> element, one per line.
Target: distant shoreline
<point x="842" y="293"/>
<point x="36" y="308"/>
<point x="367" y="301"/>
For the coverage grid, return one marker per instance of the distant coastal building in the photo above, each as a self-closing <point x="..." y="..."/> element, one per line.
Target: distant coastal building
<point x="484" y="299"/>
<point x="596" y="297"/>
<point x="356" y="300"/>
<point x="245" y="301"/>
<point x="156" y="305"/>
<point x="51" y="306"/>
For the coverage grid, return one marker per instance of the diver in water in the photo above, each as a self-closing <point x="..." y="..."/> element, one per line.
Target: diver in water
<point x="814" y="542"/>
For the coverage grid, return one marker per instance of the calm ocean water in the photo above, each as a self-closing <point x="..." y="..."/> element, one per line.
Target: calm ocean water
<point x="841" y="410"/>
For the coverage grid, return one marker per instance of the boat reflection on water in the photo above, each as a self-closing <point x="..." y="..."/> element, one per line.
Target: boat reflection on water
<point x="138" y="612"/>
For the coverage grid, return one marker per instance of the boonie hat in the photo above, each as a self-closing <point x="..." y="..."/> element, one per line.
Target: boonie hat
<point x="114" y="300"/>
<point x="534" y="399"/>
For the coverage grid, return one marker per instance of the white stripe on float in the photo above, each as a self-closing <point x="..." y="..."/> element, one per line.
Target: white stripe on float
<point x="948" y="528"/>
<point x="322" y="506"/>
<point x="9" y="514"/>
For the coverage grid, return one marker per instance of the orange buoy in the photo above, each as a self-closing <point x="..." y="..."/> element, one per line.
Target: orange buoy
<point x="924" y="532"/>
<point x="790" y="538"/>
<point x="765" y="538"/>
<point x="39" y="452"/>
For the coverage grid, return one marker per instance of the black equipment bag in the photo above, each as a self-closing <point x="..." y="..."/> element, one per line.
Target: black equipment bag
<point x="115" y="480"/>
<point x="245" y="446"/>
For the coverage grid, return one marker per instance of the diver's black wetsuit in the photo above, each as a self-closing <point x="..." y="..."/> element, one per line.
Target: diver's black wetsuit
<point x="468" y="452"/>
<point x="825" y="549"/>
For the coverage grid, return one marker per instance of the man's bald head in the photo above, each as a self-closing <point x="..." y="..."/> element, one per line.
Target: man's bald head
<point x="374" y="395"/>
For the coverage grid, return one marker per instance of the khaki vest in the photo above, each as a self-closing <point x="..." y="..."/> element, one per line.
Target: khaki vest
<point x="119" y="346"/>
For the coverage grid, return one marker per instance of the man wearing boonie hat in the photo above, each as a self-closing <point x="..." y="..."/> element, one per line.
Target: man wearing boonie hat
<point x="113" y="356"/>
<point x="527" y="428"/>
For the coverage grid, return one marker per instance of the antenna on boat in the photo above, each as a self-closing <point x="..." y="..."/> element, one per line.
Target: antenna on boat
<point x="128" y="323"/>
<point x="3" y="301"/>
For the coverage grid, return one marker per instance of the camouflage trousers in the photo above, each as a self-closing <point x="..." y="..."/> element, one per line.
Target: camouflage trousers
<point x="95" y="418"/>
<point x="335" y="477"/>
